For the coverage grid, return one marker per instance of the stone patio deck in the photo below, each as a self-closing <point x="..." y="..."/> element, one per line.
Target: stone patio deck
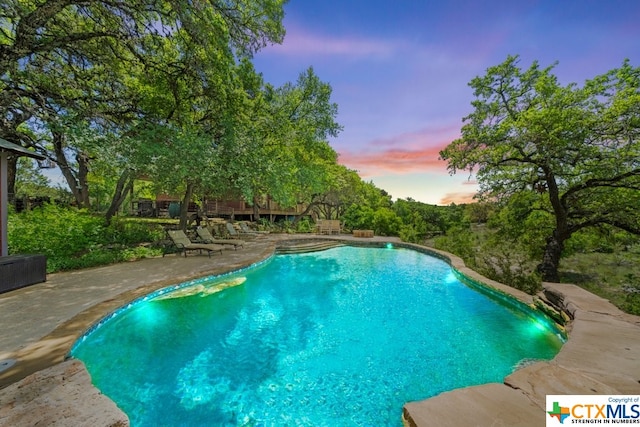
<point x="40" y="324"/>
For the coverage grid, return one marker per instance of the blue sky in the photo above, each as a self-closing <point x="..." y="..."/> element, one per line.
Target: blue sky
<point x="400" y="71"/>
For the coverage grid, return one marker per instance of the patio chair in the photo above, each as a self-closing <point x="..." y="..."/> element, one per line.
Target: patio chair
<point x="183" y="243"/>
<point x="206" y="237"/>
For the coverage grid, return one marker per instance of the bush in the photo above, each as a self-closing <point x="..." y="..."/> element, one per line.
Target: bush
<point x="507" y="267"/>
<point x="358" y="217"/>
<point x="72" y="238"/>
<point x="53" y="231"/>
<point x="409" y="233"/>
<point x="305" y="225"/>
<point x="128" y="232"/>
<point x="459" y="241"/>
<point x="631" y="303"/>
<point x="386" y="222"/>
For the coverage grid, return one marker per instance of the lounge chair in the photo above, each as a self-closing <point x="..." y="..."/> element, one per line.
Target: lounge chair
<point x="206" y="237"/>
<point x="237" y="234"/>
<point x="183" y="243"/>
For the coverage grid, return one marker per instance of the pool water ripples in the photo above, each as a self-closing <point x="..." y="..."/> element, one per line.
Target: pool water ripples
<point x="342" y="337"/>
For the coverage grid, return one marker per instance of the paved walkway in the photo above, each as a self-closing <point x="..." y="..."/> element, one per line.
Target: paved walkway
<point x="40" y="323"/>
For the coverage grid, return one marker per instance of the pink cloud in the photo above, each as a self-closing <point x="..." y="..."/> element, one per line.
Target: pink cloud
<point x="438" y="137"/>
<point x="403" y="153"/>
<point x="299" y="42"/>
<point x="395" y="160"/>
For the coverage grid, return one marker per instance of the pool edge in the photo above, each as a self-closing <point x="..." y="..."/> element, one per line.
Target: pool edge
<point x="493" y="401"/>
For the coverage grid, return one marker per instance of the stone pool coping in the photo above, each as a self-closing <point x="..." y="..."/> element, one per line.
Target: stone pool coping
<point x="602" y="355"/>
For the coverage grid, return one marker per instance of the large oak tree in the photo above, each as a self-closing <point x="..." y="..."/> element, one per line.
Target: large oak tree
<point x="578" y="146"/>
<point x="77" y="58"/>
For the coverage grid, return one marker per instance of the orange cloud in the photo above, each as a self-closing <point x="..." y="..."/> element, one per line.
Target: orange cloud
<point x="395" y="160"/>
<point x="417" y="151"/>
<point x="457" y="198"/>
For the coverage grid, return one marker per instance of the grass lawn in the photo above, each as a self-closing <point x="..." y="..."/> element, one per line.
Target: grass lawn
<point x="614" y="276"/>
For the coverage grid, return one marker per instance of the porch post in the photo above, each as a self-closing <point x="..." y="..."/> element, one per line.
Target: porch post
<point x="4" y="203"/>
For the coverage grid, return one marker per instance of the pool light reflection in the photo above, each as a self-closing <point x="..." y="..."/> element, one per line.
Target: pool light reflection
<point x="451" y="277"/>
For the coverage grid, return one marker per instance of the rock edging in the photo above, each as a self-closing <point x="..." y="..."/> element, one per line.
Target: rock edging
<point x="601" y="356"/>
<point x="70" y="400"/>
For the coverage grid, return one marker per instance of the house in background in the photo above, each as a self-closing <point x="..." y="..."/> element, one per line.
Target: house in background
<point x="165" y="206"/>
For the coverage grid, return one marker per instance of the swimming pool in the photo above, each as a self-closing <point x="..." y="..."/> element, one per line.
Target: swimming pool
<point x="341" y="337"/>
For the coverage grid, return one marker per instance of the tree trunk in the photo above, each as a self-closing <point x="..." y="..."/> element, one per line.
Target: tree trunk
<point x="184" y="207"/>
<point x="256" y="209"/>
<point x="83" y="182"/>
<point x="555" y="243"/>
<point x="77" y="182"/>
<point x="12" y="164"/>
<point x="310" y="206"/>
<point x="120" y="194"/>
<point x="551" y="259"/>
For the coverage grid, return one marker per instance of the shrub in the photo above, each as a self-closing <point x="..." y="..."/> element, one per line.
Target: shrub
<point x="409" y="233"/>
<point x="72" y="238"/>
<point x="386" y="222"/>
<point x="358" y="217"/>
<point x="459" y="241"/>
<point x="305" y="225"/>
<point x="53" y="231"/>
<point x="631" y="303"/>
<point x="507" y="267"/>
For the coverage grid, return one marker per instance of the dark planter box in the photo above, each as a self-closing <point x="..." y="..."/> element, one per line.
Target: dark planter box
<point x="17" y="271"/>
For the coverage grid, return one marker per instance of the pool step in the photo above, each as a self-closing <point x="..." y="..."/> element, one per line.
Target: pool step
<point x="299" y="247"/>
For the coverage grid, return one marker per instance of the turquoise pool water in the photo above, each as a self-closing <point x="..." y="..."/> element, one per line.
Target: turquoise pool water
<point x="342" y="337"/>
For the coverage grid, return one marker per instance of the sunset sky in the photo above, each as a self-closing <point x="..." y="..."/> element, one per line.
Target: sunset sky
<point x="400" y="71"/>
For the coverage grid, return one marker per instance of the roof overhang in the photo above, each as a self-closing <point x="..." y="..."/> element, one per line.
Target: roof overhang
<point x="19" y="150"/>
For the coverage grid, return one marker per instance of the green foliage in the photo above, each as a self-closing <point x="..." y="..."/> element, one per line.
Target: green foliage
<point x="358" y="217"/>
<point x="508" y="265"/>
<point x="585" y="241"/>
<point x="72" y="238"/>
<point x="427" y="220"/>
<point x="575" y="148"/>
<point x="386" y="222"/>
<point x="30" y="181"/>
<point x="504" y="262"/>
<point x="87" y="75"/>
<point x="521" y="220"/>
<point x="603" y="239"/>
<point x="383" y="221"/>
<point x="305" y="225"/>
<point x="374" y="197"/>
<point x="631" y="288"/>
<point x="460" y="241"/>
<point x="610" y="275"/>
<point x="479" y="212"/>
<point x="412" y="233"/>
